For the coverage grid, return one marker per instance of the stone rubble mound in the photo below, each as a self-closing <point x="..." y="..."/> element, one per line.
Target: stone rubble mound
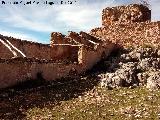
<point x="133" y="67"/>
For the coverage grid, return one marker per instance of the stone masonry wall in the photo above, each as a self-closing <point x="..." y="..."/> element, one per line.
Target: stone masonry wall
<point x="21" y="69"/>
<point x="130" y="34"/>
<point x="35" y="50"/>
<point x="15" y="71"/>
<point x="57" y="38"/>
<point x="125" y="14"/>
<point x="90" y="57"/>
<point x="30" y="49"/>
<point x="4" y="52"/>
<point x="65" y="52"/>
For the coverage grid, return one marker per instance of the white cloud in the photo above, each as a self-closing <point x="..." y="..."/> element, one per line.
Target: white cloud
<point x="77" y="17"/>
<point x="55" y="18"/>
<point x="27" y="18"/>
<point x="82" y="17"/>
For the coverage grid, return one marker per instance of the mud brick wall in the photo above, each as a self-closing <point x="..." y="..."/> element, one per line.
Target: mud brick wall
<point x="130" y="34"/>
<point x="125" y="14"/>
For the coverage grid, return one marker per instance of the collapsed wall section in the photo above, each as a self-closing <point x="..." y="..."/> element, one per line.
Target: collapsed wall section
<point x="130" y="34"/>
<point x="79" y="39"/>
<point x="85" y="39"/>
<point x="59" y="38"/>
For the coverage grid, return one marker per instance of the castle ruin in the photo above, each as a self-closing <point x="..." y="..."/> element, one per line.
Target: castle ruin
<point x="75" y="53"/>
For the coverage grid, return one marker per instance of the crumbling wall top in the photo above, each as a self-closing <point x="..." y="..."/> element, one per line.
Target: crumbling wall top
<point x="57" y="38"/>
<point x="126" y="14"/>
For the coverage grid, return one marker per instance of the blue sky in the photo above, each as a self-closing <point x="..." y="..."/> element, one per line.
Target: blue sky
<point x="36" y="22"/>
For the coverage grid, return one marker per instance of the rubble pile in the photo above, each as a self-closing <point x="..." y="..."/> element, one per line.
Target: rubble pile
<point x="133" y="67"/>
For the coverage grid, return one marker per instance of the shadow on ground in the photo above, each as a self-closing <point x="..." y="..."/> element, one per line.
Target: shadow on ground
<point x="16" y="100"/>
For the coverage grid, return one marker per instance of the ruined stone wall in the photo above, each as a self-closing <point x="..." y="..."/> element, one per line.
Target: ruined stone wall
<point x="82" y="39"/>
<point x="16" y="70"/>
<point x="4" y="52"/>
<point x="22" y="69"/>
<point x="65" y="52"/>
<point x="12" y="73"/>
<point x="63" y="48"/>
<point x="125" y="14"/>
<point x="30" y="49"/>
<point x="57" y="38"/>
<point x="82" y="51"/>
<point x="130" y="34"/>
<point x="91" y="57"/>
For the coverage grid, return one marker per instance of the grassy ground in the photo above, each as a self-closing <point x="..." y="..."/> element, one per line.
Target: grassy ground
<point x="80" y="99"/>
<point x="100" y="104"/>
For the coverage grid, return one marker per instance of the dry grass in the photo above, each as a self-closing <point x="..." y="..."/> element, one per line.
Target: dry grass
<point x="80" y="99"/>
